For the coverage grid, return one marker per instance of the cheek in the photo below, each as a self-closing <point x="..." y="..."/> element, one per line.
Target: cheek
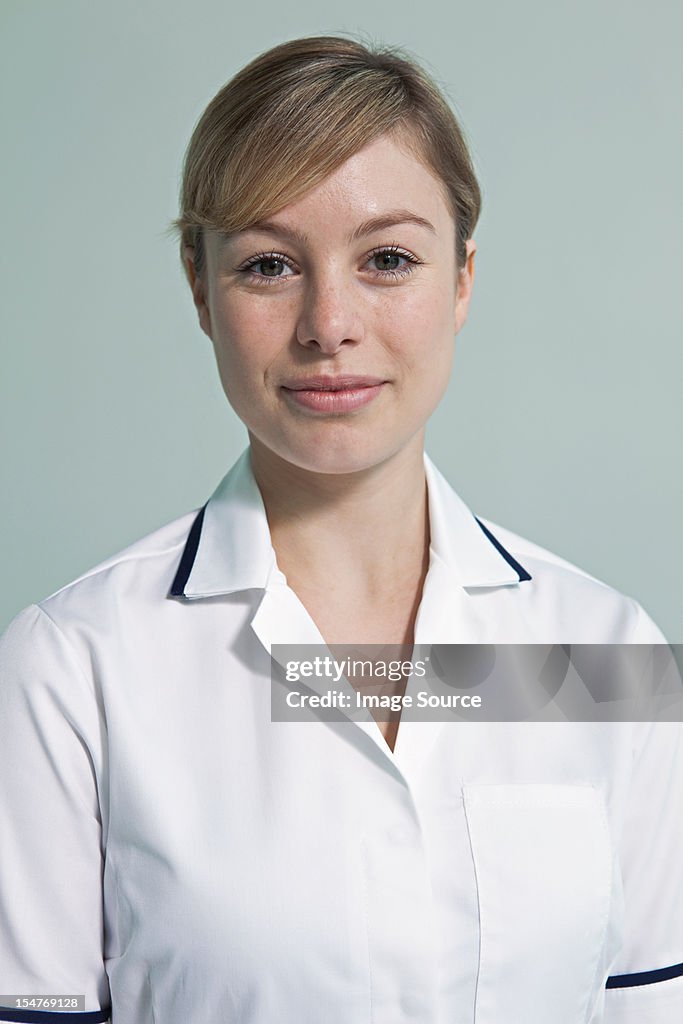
<point x="246" y="343"/>
<point x="423" y="332"/>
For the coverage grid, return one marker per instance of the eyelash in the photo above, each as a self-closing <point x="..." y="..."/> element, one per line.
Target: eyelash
<point x="393" y="249"/>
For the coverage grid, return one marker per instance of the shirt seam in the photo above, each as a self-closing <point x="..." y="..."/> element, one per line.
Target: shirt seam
<point x="367" y="926"/>
<point x="97" y="570"/>
<point x="477" y="886"/>
<point x="609" y="902"/>
<point x="90" y="689"/>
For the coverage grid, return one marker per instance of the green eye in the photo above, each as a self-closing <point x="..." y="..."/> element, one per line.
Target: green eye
<point x="271" y="267"/>
<point x="387" y="260"/>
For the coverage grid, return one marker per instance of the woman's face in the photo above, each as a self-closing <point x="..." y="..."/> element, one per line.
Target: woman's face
<point x="356" y="279"/>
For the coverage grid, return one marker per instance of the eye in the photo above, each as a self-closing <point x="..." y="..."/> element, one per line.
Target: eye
<point x="387" y="262"/>
<point x="273" y="267"/>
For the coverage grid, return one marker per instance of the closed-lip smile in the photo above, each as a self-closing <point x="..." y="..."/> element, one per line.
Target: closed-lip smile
<point x="330" y="395"/>
<point x="342" y="382"/>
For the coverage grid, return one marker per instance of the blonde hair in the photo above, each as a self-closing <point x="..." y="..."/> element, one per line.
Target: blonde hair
<point x="296" y="113"/>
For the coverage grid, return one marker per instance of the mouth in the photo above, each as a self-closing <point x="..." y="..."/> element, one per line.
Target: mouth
<point x="333" y="395"/>
<point x="340" y="383"/>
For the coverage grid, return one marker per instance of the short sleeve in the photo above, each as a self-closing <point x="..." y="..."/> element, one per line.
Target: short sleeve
<point x="51" y="848"/>
<point x="645" y="985"/>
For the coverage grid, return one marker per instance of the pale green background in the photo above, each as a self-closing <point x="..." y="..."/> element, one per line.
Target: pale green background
<point x="564" y="417"/>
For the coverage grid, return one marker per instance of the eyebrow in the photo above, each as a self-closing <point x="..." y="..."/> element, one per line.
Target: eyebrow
<point x="386" y="220"/>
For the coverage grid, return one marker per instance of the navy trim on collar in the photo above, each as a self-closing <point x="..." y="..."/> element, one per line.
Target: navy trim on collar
<point x="519" y="569"/>
<point x="188" y="556"/>
<point x="644" y="977"/>
<point x="192" y="545"/>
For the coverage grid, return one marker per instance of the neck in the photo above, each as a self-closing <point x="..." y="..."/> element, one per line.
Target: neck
<point x="367" y="530"/>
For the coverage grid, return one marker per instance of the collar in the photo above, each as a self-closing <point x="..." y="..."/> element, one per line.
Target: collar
<point x="229" y="546"/>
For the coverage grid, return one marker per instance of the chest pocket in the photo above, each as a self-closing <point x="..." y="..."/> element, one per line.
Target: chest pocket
<point x="543" y="863"/>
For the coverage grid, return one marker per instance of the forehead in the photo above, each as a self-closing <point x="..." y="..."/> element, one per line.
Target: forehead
<point x="382" y="185"/>
<point x="384" y="171"/>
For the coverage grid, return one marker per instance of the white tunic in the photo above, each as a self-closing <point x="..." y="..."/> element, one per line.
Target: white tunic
<point x="173" y="854"/>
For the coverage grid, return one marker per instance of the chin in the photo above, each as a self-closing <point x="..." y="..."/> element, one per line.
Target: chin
<point x="345" y="455"/>
<point x="321" y="460"/>
<point x="326" y="453"/>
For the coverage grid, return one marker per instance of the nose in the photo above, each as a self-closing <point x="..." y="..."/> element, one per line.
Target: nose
<point x="330" y="314"/>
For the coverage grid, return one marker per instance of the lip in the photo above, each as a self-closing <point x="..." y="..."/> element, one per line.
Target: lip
<point x="333" y="395"/>
<point x="325" y="382"/>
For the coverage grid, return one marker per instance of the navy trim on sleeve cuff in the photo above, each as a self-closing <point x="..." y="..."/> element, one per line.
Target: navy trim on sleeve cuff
<point x="644" y="977"/>
<point x="54" y="1017"/>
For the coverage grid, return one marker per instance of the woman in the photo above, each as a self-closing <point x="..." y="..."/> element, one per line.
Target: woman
<point x="173" y="853"/>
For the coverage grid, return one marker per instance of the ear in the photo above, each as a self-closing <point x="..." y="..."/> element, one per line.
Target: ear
<point x="464" y="286"/>
<point x="198" y="289"/>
